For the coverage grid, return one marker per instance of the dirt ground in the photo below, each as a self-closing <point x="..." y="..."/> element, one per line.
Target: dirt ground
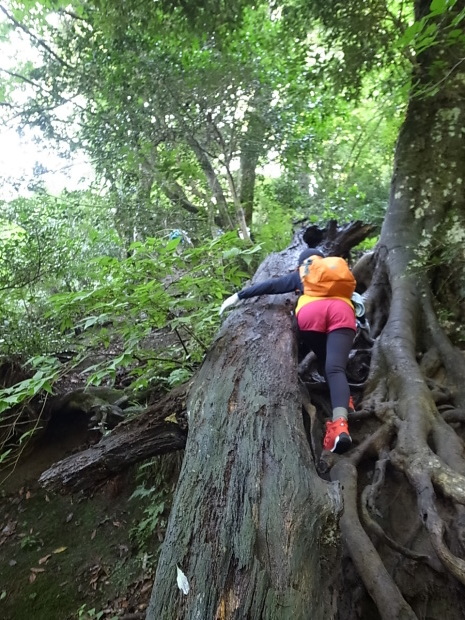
<point x="71" y="557"/>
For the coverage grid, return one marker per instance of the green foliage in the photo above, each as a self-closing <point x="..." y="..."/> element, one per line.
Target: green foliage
<point x="162" y="288"/>
<point x="273" y="215"/>
<point x="48" y="369"/>
<point x="355" y="38"/>
<point x="19" y="422"/>
<point x="157" y="479"/>
<point x="367" y="245"/>
<point x="46" y="245"/>
<point x="30" y="541"/>
<point x="90" y="613"/>
<point x="426" y="31"/>
<point x="170" y="110"/>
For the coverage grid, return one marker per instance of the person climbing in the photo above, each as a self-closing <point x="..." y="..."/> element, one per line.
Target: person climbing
<point x="327" y="326"/>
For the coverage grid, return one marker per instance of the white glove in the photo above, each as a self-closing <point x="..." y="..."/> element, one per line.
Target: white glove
<point x="230" y="301"/>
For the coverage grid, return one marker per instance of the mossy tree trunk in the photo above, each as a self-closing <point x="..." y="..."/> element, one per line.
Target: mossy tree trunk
<point x="253" y="527"/>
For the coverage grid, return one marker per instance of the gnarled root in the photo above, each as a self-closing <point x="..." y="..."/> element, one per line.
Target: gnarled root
<point x="368" y="563"/>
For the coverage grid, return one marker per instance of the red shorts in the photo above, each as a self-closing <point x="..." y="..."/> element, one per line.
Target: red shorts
<point x="326" y="315"/>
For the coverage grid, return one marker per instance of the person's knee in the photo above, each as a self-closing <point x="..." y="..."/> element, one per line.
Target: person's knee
<point x="334" y="368"/>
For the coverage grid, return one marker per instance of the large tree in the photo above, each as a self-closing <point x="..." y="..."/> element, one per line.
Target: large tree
<point x="254" y="526"/>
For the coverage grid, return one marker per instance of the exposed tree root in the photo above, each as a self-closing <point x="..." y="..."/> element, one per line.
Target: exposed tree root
<point x="454" y="415"/>
<point x="415" y="397"/>
<point x="418" y="422"/>
<point x="368" y="508"/>
<point x="451" y="484"/>
<point x="378" y="582"/>
<point x="378" y="531"/>
<point x="433" y="522"/>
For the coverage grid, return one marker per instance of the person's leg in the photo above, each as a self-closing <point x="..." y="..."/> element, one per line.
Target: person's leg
<point x="338" y="346"/>
<point x="316" y="342"/>
<point x="332" y="352"/>
<point x="341" y="334"/>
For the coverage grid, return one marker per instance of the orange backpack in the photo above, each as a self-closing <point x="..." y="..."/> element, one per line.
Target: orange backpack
<point x="327" y="277"/>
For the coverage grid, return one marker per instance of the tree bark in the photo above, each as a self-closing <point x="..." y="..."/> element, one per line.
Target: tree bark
<point x="252" y="147"/>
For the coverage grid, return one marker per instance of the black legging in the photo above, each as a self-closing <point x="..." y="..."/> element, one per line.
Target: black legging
<point x="332" y="352"/>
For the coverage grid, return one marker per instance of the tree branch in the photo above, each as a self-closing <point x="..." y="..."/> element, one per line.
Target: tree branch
<point x="34" y="37"/>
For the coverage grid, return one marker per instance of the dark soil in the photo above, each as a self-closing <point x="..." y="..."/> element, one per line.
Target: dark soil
<point x="66" y="557"/>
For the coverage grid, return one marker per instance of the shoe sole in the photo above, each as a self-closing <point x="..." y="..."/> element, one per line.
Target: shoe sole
<point x="342" y="443"/>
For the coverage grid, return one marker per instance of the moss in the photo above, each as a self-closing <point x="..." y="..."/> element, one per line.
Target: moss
<point x="79" y="549"/>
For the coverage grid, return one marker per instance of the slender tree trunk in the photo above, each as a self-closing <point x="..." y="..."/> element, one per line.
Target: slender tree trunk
<point x="214" y="184"/>
<point x="252" y="147"/>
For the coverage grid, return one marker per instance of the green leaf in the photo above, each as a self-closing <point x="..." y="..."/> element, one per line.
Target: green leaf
<point x="437" y="7"/>
<point x="409" y="34"/>
<point x="231" y="253"/>
<point x="4" y="455"/>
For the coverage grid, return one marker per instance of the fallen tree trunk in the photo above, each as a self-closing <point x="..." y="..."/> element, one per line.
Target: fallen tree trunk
<point x="253" y="527"/>
<point x="159" y="430"/>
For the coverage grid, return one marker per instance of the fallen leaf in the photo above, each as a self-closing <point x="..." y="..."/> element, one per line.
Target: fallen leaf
<point x="117" y="523"/>
<point x="92" y="536"/>
<point x="9" y="528"/>
<point x="59" y="550"/>
<point x="69" y="517"/>
<point x="145" y="588"/>
<point x="182" y="582"/>
<point x="28" y="495"/>
<point x="32" y="577"/>
<point x="45" y="558"/>
<point x="171" y="418"/>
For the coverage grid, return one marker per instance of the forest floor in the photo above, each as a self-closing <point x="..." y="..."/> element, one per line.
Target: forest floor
<point x="70" y="557"/>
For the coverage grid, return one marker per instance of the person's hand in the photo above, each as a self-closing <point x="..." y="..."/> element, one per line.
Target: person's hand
<point x="230" y="301"/>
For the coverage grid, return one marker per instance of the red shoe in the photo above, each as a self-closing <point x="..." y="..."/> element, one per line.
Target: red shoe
<point x="337" y="438"/>
<point x="351" y="405"/>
